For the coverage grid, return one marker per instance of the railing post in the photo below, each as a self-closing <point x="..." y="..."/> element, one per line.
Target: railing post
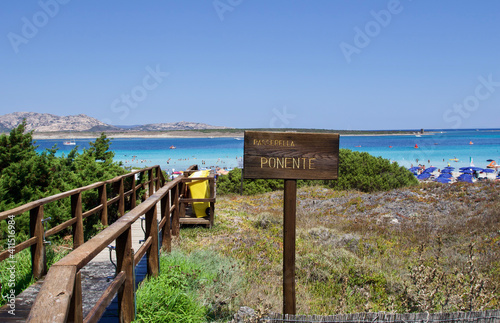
<point x="76" y="212"/>
<point x="151" y="182"/>
<point x="38" y="261"/>
<point x="133" y="198"/>
<point x="75" y="308"/>
<point x="125" y="263"/>
<point x="166" y="204"/>
<point x="175" y="218"/>
<point x="211" y="183"/>
<point x="144" y="194"/>
<point x="153" y="252"/>
<point x="121" y="203"/>
<point x="158" y="178"/>
<point x="103" y="196"/>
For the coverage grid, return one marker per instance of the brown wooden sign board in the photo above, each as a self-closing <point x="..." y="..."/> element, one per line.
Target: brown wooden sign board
<point x="290" y="155"/>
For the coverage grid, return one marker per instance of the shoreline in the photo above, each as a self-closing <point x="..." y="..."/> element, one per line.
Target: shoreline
<point x="197" y="134"/>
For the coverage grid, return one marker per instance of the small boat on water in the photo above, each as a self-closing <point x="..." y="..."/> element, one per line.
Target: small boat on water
<point x="471" y="143"/>
<point x="172" y="147"/>
<point x="416" y="146"/>
<point x="69" y="142"/>
<point x="454" y="159"/>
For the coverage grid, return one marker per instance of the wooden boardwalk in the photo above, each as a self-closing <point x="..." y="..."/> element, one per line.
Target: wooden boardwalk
<point x="81" y="284"/>
<point x="94" y="282"/>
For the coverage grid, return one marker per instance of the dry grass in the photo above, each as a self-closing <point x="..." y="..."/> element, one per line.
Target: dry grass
<point x="428" y="248"/>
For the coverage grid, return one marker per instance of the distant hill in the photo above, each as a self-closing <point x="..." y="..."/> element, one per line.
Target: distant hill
<point x="45" y="122"/>
<point x="182" y="125"/>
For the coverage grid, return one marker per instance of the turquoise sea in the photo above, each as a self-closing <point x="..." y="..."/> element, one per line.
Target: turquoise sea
<point x="435" y="148"/>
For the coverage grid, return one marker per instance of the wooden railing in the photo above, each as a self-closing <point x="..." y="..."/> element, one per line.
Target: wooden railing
<point x="60" y="297"/>
<point x="36" y="211"/>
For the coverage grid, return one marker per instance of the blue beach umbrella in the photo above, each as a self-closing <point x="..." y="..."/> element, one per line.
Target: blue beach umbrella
<point x="446" y="171"/>
<point x="424" y="176"/>
<point x="449" y="167"/>
<point x="442" y="180"/>
<point x="465" y="178"/>
<point x="488" y="170"/>
<point x="414" y="170"/>
<point x="445" y="175"/>
<point x="467" y="171"/>
<point x="430" y="169"/>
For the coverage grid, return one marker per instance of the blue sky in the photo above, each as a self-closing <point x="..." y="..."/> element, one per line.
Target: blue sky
<point x="255" y="63"/>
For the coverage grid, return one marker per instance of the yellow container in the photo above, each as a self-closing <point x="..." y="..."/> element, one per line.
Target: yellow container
<point x="200" y="189"/>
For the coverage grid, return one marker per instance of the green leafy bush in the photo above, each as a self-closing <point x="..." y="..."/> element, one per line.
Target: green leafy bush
<point x="197" y="287"/>
<point x="357" y="171"/>
<point x="26" y="176"/>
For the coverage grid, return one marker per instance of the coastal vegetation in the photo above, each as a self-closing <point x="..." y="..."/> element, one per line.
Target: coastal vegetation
<point x="197" y="287"/>
<point x="26" y="175"/>
<point x="357" y="171"/>
<point x="426" y="248"/>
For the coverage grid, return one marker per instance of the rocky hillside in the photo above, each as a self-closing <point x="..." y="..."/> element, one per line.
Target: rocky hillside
<point x="183" y="125"/>
<point x="45" y="122"/>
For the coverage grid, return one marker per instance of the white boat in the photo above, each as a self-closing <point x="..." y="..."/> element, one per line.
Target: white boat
<point x="70" y="142"/>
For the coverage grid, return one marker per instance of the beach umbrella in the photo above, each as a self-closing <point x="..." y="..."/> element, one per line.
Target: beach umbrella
<point x="446" y="171"/>
<point x="490" y="160"/>
<point x="424" y="176"/>
<point x="445" y="175"/>
<point x="449" y="167"/>
<point x="467" y="171"/>
<point x="430" y="169"/>
<point x="414" y="170"/>
<point x="465" y="178"/>
<point x="488" y="170"/>
<point x="442" y="180"/>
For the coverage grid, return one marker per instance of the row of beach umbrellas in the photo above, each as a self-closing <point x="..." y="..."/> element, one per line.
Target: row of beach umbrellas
<point x="446" y="173"/>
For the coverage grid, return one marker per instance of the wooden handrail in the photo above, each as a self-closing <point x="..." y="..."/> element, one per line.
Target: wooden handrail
<point x="35" y="208"/>
<point x="119" y="231"/>
<point x="60" y="298"/>
<point x="31" y="205"/>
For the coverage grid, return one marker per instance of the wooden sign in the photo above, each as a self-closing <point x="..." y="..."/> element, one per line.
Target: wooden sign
<point x="290" y="155"/>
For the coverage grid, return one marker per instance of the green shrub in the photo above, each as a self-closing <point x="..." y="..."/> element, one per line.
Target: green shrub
<point x="357" y="171"/>
<point x="198" y="287"/>
<point x="20" y="277"/>
<point x="26" y="176"/>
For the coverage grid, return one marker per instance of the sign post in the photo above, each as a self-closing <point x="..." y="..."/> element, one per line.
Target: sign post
<point x="290" y="156"/>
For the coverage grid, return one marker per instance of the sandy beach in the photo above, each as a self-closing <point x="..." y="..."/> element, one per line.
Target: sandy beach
<point x="139" y="134"/>
<point x="204" y="134"/>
